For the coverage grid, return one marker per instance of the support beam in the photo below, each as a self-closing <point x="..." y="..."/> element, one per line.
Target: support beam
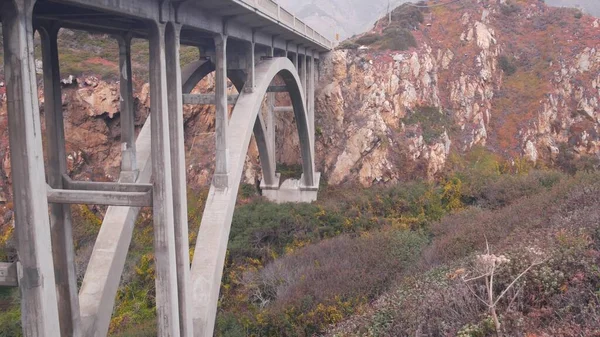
<point x="303" y="72"/>
<point x="310" y="95"/>
<point x="103" y="274"/>
<point x="177" y="133"/>
<point x="128" y="161"/>
<point x="132" y="199"/>
<point x="8" y="275"/>
<point x="61" y="221"/>
<point x="250" y="64"/>
<point x="39" y="312"/>
<point x="221" y="176"/>
<point x="296" y="59"/>
<point x="271" y="129"/>
<point x="167" y="302"/>
<point x="271" y="50"/>
<point x="206" y="99"/>
<point x="105" y="187"/>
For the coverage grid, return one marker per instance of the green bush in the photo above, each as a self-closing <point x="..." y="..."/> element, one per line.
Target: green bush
<point x="368" y="39"/>
<point x="432" y="121"/>
<point x="507" y="65"/>
<point x="10" y="313"/>
<point x="509" y="8"/>
<point x="396" y="38"/>
<point x="348" y="44"/>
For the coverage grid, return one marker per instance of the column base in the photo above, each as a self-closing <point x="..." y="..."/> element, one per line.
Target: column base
<point x="221" y="181"/>
<point x="292" y="190"/>
<point x="129" y="176"/>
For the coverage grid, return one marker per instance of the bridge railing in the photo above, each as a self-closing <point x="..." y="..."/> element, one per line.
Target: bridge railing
<point x="273" y="10"/>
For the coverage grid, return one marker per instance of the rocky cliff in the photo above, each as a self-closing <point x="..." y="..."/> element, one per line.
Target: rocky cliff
<point x="519" y="78"/>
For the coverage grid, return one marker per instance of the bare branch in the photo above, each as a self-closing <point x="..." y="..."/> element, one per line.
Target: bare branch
<point x="477" y="296"/>
<point x="513" y="282"/>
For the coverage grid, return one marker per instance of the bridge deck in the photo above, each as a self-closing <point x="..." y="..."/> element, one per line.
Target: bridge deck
<point x="262" y="20"/>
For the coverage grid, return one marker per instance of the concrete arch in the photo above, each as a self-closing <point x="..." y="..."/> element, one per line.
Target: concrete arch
<point x="211" y="246"/>
<point x="195" y="72"/>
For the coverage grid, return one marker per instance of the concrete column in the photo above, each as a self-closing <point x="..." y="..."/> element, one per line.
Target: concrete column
<point x="271" y="51"/>
<point x="60" y="215"/>
<point x="303" y="72"/>
<point x="128" y="153"/>
<point x="295" y="59"/>
<point x="221" y="178"/>
<point x="164" y="233"/>
<point x="311" y="93"/>
<point x="250" y="67"/>
<point x="176" y="131"/>
<point x="271" y="129"/>
<point x="39" y="312"/>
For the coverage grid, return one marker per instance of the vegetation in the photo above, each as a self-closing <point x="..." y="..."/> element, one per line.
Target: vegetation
<point x="296" y="269"/>
<point x="431" y="120"/>
<point x="507" y="65"/>
<point x="396" y="35"/>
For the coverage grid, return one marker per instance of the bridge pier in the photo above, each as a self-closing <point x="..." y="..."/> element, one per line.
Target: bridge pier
<point x="39" y="314"/>
<point x="129" y="169"/>
<point x="60" y="215"/>
<point x="221" y="176"/>
<point x="182" y="245"/>
<point x="162" y="211"/>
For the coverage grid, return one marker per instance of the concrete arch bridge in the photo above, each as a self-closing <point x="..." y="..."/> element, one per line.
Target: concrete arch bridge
<point x="251" y="42"/>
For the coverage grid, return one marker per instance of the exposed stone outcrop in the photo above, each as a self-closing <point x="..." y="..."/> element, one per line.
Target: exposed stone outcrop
<point x="368" y="105"/>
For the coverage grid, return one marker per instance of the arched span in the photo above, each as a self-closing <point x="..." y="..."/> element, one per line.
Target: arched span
<point x="194" y="72"/>
<point x="211" y="245"/>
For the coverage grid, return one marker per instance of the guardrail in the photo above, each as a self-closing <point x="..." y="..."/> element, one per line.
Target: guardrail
<point x="273" y="10"/>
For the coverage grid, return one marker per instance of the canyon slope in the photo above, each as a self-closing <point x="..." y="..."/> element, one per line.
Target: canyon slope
<point x="519" y="78"/>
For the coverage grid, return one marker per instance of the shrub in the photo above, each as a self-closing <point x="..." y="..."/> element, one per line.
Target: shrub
<point x="507" y="65"/>
<point x="368" y="39"/>
<point x="321" y="283"/>
<point x="348" y="44"/>
<point x="509" y="8"/>
<point x="432" y="121"/>
<point x="395" y="38"/>
<point x="407" y="16"/>
<point x="10" y="313"/>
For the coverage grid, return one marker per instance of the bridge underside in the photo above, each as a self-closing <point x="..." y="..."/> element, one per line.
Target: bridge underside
<point x="252" y="42"/>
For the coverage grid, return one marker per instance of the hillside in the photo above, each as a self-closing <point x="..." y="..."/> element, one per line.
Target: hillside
<point x="349" y="17"/>
<point x="519" y="78"/>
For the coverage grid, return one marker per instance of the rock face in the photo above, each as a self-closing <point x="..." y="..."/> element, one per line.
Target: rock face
<point x="521" y="80"/>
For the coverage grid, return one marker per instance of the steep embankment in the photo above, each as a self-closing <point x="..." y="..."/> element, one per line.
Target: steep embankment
<point x="517" y="77"/>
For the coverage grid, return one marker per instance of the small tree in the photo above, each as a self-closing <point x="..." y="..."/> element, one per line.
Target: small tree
<point x="485" y="268"/>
